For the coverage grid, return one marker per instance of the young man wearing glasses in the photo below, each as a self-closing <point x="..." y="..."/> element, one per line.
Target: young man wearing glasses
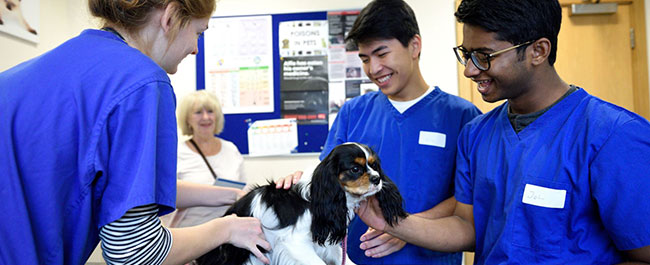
<point x="553" y="175"/>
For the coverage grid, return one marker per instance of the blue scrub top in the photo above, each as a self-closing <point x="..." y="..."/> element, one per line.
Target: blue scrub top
<point x="417" y="150"/>
<point x="568" y="189"/>
<point x="87" y="131"/>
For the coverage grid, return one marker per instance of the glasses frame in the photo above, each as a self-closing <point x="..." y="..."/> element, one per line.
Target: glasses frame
<point x="488" y="56"/>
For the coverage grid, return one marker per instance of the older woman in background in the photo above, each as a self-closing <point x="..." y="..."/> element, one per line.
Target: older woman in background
<point x="204" y="158"/>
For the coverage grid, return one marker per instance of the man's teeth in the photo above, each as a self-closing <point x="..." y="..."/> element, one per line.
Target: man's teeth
<point x="483" y="83"/>
<point x="384" y="79"/>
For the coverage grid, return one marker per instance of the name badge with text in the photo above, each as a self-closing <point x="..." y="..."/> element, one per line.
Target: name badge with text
<point x="544" y="197"/>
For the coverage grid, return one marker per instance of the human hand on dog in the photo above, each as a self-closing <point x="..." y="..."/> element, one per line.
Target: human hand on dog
<point x="240" y="193"/>
<point x="246" y="232"/>
<point x="378" y="244"/>
<point x="371" y="214"/>
<point x="286" y="182"/>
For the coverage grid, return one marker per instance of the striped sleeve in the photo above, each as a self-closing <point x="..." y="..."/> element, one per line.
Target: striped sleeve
<point x="138" y="237"/>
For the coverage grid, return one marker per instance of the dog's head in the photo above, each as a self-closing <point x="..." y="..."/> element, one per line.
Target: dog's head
<point x="350" y="173"/>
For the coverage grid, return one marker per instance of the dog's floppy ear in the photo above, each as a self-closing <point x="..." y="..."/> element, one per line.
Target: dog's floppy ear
<point x="328" y="203"/>
<point x="390" y="201"/>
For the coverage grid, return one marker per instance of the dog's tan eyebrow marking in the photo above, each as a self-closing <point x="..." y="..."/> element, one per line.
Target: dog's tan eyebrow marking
<point x="360" y="160"/>
<point x="371" y="160"/>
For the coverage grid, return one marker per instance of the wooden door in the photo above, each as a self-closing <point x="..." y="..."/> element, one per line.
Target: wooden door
<point x="604" y="54"/>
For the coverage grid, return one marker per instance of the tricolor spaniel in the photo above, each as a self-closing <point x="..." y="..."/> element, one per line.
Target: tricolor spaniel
<point x="307" y="223"/>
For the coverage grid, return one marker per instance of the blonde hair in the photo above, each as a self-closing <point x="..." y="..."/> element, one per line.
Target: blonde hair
<point x="196" y="101"/>
<point x="132" y="15"/>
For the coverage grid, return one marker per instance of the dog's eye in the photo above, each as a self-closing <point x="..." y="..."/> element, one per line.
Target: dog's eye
<point x="355" y="169"/>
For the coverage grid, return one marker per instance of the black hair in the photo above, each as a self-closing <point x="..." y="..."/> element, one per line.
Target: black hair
<point x="515" y="21"/>
<point x="384" y="19"/>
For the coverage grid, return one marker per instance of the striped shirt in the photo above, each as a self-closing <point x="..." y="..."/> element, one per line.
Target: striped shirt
<point x="138" y="237"/>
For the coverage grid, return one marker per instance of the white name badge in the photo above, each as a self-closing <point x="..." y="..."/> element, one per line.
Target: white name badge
<point x="433" y="139"/>
<point x="544" y="197"/>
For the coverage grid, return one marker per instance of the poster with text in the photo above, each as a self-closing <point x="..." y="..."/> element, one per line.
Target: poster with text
<point x="304" y="89"/>
<point x="303" y="38"/>
<point x="239" y="63"/>
<point x="346" y="74"/>
<point x="339" y="24"/>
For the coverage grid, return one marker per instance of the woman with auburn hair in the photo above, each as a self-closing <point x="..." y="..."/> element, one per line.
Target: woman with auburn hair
<point x="88" y="144"/>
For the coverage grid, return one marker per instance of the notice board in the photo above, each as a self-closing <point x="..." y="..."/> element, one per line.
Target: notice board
<point x="298" y="66"/>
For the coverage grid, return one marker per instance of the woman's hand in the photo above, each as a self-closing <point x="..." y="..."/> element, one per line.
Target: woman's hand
<point x="286" y="182"/>
<point x="239" y="194"/>
<point x="246" y="232"/>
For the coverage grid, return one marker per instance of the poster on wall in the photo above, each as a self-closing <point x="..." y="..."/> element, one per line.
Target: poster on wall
<point x="303" y="38"/>
<point x="20" y="18"/>
<point x="304" y="89"/>
<point x="239" y="63"/>
<point x="340" y="23"/>
<point x="272" y="137"/>
<point x="346" y="75"/>
<point x="304" y="79"/>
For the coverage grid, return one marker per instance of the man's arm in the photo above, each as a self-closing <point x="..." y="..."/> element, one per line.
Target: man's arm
<point x="378" y="244"/>
<point x="641" y="254"/>
<point x="443" y="209"/>
<point x="447" y="234"/>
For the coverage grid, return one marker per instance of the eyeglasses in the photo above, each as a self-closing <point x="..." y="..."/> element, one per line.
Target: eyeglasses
<point x="480" y="59"/>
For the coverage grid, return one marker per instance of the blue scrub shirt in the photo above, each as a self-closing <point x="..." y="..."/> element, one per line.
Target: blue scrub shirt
<point x="87" y="131"/>
<point x="568" y="189"/>
<point x="417" y="150"/>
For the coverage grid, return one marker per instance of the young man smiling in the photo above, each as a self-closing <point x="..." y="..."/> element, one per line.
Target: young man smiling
<point x="412" y="126"/>
<point x="553" y="175"/>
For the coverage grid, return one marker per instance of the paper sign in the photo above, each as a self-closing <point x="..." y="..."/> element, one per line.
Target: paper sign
<point x="272" y="137"/>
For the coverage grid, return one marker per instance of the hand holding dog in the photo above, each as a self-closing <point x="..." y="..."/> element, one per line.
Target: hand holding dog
<point x="370" y="213"/>
<point x="246" y="232"/>
<point x="378" y="244"/>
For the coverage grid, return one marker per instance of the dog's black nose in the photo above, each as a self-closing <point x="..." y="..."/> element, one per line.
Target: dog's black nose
<point x="374" y="179"/>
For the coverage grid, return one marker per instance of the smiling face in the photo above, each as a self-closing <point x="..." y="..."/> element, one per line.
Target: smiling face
<point x="185" y="43"/>
<point x="507" y="77"/>
<point x="391" y="66"/>
<point x="202" y="120"/>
